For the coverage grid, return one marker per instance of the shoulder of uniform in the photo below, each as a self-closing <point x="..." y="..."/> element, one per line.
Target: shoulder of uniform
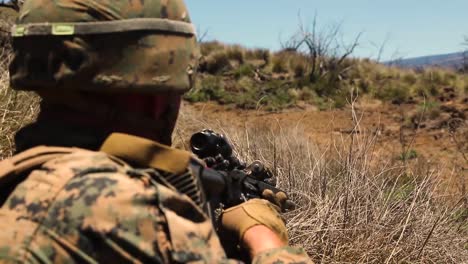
<point x="147" y="153"/>
<point x="30" y="159"/>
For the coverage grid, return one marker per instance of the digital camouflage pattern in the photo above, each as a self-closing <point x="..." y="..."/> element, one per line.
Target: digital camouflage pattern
<point x="139" y="61"/>
<point x="89" y="207"/>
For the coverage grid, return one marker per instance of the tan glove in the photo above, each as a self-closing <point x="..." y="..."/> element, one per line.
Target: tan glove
<point x="279" y="199"/>
<point x="238" y="219"/>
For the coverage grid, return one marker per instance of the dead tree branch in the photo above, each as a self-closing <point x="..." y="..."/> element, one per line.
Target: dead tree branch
<point x="13" y="4"/>
<point x="201" y="35"/>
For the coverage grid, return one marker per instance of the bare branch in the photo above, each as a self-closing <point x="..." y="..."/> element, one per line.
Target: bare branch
<point x="294" y="42"/>
<point x="381" y="48"/>
<point x="13" y="4"/>
<point x="201" y="35"/>
<point x="464" y="65"/>
<point x="350" y="49"/>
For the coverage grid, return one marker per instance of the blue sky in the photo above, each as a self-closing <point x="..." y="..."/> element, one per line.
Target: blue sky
<point x="412" y="27"/>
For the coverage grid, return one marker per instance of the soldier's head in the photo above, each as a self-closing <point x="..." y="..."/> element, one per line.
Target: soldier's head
<point x="134" y="57"/>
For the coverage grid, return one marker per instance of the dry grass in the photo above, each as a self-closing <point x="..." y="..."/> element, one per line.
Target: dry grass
<point x="353" y="206"/>
<point x="16" y="108"/>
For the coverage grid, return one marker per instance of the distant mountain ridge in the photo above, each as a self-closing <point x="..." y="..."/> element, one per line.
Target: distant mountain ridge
<point x="451" y="60"/>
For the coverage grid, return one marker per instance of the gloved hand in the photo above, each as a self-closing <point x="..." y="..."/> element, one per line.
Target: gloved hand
<point x="279" y="199"/>
<point x="238" y="219"/>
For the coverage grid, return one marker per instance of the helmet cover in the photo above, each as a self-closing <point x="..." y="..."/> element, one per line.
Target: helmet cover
<point x="123" y="46"/>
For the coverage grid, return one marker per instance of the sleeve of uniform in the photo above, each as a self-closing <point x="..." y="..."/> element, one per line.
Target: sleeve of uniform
<point x="92" y="209"/>
<point x="284" y="255"/>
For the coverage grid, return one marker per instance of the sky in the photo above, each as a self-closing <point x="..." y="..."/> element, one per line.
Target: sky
<point x="409" y="28"/>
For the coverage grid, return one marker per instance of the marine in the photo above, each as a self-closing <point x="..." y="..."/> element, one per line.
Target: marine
<point x="90" y="182"/>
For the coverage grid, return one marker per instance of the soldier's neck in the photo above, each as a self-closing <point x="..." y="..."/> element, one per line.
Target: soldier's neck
<point x="58" y="125"/>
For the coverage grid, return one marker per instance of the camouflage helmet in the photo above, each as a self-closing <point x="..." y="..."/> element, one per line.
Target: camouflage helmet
<point x="142" y="46"/>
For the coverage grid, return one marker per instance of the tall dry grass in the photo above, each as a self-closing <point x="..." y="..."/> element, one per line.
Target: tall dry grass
<point x="353" y="205"/>
<point x="16" y="108"/>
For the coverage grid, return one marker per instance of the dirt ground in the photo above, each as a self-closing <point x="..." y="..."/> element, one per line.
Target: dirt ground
<point x="438" y="142"/>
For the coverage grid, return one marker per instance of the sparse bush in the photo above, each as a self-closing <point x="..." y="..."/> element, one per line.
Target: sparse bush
<point x="307" y="94"/>
<point x="215" y="63"/>
<point x="206" y="48"/>
<point x="298" y="63"/>
<point x="364" y="85"/>
<point x="410" y="78"/>
<point x="408" y="155"/>
<point x="279" y="64"/>
<point x="299" y="70"/>
<point x="207" y="88"/>
<point x="430" y="109"/>
<point x="339" y="101"/>
<point x="395" y="93"/>
<point x="236" y="53"/>
<point x="258" y="54"/>
<point x="244" y="70"/>
<point x="324" y="88"/>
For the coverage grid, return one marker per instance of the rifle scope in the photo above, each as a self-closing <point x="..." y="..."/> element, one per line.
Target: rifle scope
<point x="210" y="144"/>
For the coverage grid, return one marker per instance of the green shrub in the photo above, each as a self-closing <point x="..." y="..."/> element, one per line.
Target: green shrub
<point x="206" y="48"/>
<point x="279" y="65"/>
<point x="328" y="86"/>
<point x="258" y="54"/>
<point x="339" y="101"/>
<point x="206" y="89"/>
<point x="430" y="109"/>
<point x="299" y="70"/>
<point x="235" y="53"/>
<point x="216" y="63"/>
<point x="244" y="70"/>
<point x="408" y="155"/>
<point x="364" y="85"/>
<point x="450" y="78"/>
<point x="393" y="92"/>
<point x="410" y="78"/>
<point x="307" y="94"/>
<point x="428" y="90"/>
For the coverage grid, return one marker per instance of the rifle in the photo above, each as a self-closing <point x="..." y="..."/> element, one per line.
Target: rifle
<point x="227" y="181"/>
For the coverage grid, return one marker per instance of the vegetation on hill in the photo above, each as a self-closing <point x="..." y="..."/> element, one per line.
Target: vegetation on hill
<point x="253" y="78"/>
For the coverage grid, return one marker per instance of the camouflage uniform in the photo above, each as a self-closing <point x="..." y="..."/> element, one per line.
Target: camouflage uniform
<point x="82" y="206"/>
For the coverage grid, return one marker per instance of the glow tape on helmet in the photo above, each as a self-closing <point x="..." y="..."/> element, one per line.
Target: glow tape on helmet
<point x="104" y="27"/>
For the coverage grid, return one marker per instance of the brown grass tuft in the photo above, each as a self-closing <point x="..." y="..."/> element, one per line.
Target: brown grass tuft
<point x="16" y="108"/>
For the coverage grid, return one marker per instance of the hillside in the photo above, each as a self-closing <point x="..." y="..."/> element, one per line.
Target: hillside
<point x="453" y="61"/>
<point x="253" y="79"/>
